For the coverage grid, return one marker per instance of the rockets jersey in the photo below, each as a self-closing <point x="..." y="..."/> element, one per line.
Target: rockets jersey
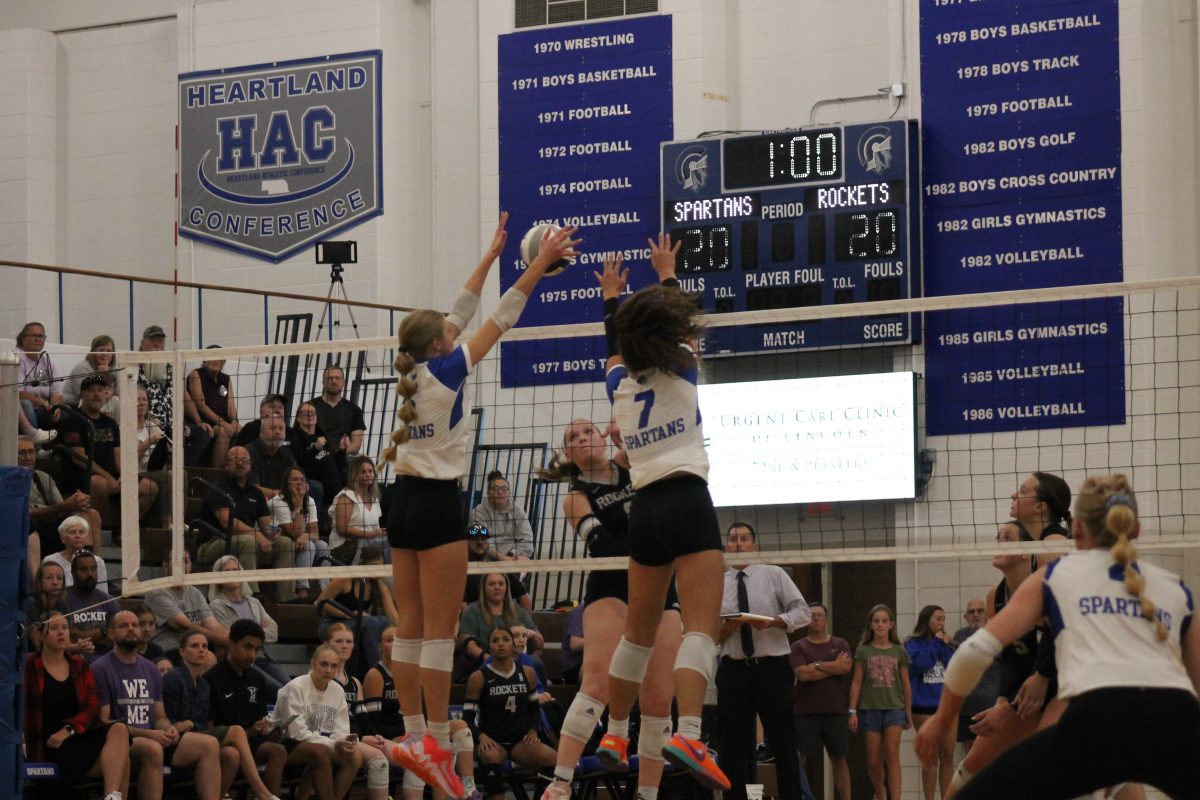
<point x="437" y="448"/>
<point x="609" y="501"/>
<point x="504" y="711"/>
<point x="659" y="417"/>
<point x="1102" y="639"/>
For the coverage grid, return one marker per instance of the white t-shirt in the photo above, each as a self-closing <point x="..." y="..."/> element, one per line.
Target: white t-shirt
<point x="101" y="571"/>
<point x="282" y="514"/>
<point x="1103" y="640"/>
<point x="659" y="418"/>
<point x="438" y="447"/>
<point x="323" y="716"/>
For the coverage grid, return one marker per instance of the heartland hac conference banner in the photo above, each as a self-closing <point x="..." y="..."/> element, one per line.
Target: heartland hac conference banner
<point x="274" y="157"/>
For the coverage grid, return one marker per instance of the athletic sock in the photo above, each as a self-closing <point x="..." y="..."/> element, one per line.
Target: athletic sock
<point x="562" y="773"/>
<point x="689" y="727"/>
<point x="619" y="727"/>
<point x="414" y="725"/>
<point x="440" y="731"/>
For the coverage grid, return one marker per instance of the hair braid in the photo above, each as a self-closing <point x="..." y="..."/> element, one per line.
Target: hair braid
<point x="416" y="333"/>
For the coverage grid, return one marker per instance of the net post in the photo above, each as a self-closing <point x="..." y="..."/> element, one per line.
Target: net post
<point x="179" y="477"/>
<point x="131" y="539"/>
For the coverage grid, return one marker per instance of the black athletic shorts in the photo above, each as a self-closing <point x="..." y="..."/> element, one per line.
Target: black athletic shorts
<point x="425" y="513"/>
<point x="830" y="730"/>
<point x="611" y="583"/>
<point x="670" y="518"/>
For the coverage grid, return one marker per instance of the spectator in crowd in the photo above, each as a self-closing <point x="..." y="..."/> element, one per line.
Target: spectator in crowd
<point x="313" y="710"/>
<point x="523" y="657"/>
<point x="159" y="382"/>
<point x="381" y="705"/>
<point x="48" y="508"/>
<point x="984" y="696"/>
<point x="147" y="627"/>
<point x="76" y="535"/>
<point x="130" y="691"/>
<point x="342" y="421"/>
<point x="881" y="699"/>
<point x="62" y="716"/>
<point x="88" y="608"/>
<point x="341" y="639"/>
<point x="233" y="601"/>
<point x="929" y="651"/>
<point x="356" y="514"/>
<point x="40" y="387"/>
<point x="508" y="527"/>
<point x="494" y="609"/>
<point x="345" y="599"/>
<point x="572" y="645"/>
<point x="754" y="675"/>
<point x="186" y="699"/>
<point x="46" y="595"/>
<point x="239" y="506"/>
<point x="100" y="360"/>
<point x="154" y="458"/>
<point x="294" y="514"/>
<point x="164" y="666"/>
<point x="103" y="482"/>
<point x="242" y="695"/>
<point x="821" y="663"/>
<point x="479" y="549"/>
<point x="212" y="394"/>
<point x="270" y="457"/>
<point x="310" y="446"/>
<point x="273" y="405"/>
<point x="182" y="609"/>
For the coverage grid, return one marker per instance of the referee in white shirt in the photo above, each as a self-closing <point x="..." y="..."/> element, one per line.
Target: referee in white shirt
<point x="754" y="676"/>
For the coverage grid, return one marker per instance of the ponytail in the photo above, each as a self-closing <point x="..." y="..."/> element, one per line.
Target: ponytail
<point x="560" y="468"/>
<point x="415" y="335"/>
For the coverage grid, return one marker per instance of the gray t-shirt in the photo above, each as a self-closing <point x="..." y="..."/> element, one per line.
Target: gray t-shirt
<point x="129" y="690"/>
<point x="92" y="618"/>
<point x="168" y="604"/>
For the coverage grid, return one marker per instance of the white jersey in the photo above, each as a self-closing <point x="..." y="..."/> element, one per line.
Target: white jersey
<point x="659" y="418"/>
<point x="438" y="445"/>
<point x="321" y="716"/>
<point x="1103" y="640"/>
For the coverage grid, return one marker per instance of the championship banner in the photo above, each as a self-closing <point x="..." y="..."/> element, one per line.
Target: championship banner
<point x="273" y="157"/>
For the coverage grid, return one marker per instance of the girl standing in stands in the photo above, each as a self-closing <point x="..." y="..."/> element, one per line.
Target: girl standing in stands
<point x="426" y="525"/>
<point x="1128" y="658"/>
<point x="597" y="508"/>
<point x="881" y="699"/>
<point x="673" y="531"/>
<point x="929" y="650"/>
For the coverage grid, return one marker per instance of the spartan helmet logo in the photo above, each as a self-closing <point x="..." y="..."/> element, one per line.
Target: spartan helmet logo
<point x="875" y="150"/>
<point x="691" y="168"/>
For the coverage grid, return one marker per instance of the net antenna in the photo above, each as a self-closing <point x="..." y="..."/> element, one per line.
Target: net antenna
<point x="336" y="255"/>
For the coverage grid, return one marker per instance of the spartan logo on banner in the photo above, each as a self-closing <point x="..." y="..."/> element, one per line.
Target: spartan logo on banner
<point x="275" y="156"/>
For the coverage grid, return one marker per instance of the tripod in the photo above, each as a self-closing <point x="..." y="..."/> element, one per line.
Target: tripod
<point x="332" y="311"/>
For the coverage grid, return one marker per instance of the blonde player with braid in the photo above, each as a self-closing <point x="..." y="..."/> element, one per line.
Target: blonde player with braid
<point x="426" y="525"/>
<point x="1128" y="662"/>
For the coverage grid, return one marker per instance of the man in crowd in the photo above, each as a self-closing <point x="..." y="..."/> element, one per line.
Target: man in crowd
<point x="984" y="696"/>
<point x="754" y="675"/>
<point x="235" y="497"/>
<point x="270" y="457"/>
<point x="510" y="533"/>
<point x="48" y="508"/>
<point x="130" y="691"/>
<point x="822" y="665"/>
<point x="159" y="382"/>
<point x="273" y="405"/>
<point x="182" y="609"/>
<point x="89" y="609"/>
<point x="40" y="389"/>
<point x="478" y="549"/>
<point x="342" y="421"/>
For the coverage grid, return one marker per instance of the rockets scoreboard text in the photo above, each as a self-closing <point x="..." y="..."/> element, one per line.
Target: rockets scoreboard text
<point x="802" y="217"/>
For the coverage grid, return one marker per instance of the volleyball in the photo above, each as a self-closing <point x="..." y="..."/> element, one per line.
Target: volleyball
<point x="532" y="241"/>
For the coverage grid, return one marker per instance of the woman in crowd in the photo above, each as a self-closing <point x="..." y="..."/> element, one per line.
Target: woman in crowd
<point x="881" y="699"/>
<point x="426" y="525"/>
<point x="153" y="461"/>
<point x="62" y="715"/>
<point x="929" y="650"/>
<point x="211" y="392"/>
<point x="100" y="359"/>
<point x="294" y="512"/>
<point x="310" y="446"/>
<point x="501" y="707"/>
<point x="232" y="601"/>
<point x="343" y="598"/>
<point x="1128" y="662"/>
<point x="356" y="513"/>
<point x="597" y="509"/>
<point x="47" y="596"/>
<point x="494" y="609"/>
<point x="76" y="535"/>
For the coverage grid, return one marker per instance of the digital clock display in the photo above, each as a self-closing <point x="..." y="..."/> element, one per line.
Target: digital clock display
<point x="805" y="217"/>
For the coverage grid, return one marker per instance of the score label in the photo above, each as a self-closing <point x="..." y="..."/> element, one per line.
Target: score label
<point x="803" y="217"/>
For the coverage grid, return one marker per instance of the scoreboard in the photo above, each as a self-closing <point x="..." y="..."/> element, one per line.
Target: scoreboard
<point x="800" y="217"/>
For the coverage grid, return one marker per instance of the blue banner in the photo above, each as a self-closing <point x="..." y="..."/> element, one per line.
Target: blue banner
<point x="582" y="112"/>
<point x="1022" y="153"/>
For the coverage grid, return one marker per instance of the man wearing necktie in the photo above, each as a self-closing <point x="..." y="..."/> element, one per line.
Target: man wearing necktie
<point x="754" y="676"/>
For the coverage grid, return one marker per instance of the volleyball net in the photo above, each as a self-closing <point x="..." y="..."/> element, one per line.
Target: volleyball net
<point x="839" y="454"/>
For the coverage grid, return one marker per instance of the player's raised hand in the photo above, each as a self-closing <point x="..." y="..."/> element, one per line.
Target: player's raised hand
<point x="556" y="245"/>
<point x="499" y="238"/>
<point x="614" y="278"/>
<point x="662" y="256"/>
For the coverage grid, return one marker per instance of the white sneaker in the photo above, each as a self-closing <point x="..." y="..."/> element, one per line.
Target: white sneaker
<point x="44" y="439"/>
<point x="110" y="795"/>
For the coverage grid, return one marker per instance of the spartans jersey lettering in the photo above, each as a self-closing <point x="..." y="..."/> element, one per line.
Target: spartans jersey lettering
<point x="437" y="448"/>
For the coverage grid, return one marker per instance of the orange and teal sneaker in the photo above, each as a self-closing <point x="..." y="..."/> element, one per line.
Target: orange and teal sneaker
<point x="430" y="762"/>
<point x="697" y="759"/>
<point x="613" y="752"/>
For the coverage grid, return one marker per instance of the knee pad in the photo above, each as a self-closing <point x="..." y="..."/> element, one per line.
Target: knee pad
<point x="629" y="661"/>
<point x="653" y="736"/>
<point x="582" y="716"/>
<point x="961" y="776"/>
<point x="406" y="651"/>
<point x="437" y="654"/>
<point x="377" y="773"/>
<point x="698" y="653"/>
<point x="463" y="741"/>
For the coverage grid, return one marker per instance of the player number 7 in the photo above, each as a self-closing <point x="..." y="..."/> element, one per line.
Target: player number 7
<point x="646" y="397"/>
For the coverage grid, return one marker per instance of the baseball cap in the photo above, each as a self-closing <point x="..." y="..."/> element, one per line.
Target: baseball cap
<point x="153" y="331"/>
<point x="92" y="380"/>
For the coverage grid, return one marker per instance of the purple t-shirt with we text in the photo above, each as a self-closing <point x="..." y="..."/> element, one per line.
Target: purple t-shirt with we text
<point x="129" y="690"/>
